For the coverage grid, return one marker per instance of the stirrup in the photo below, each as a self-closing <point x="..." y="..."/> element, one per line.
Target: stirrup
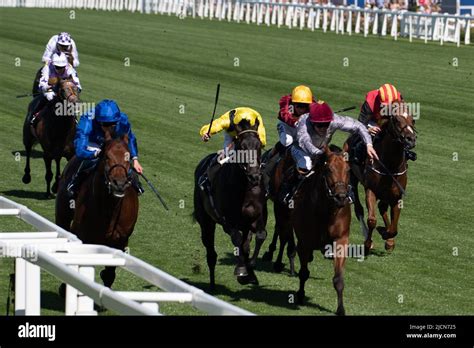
<point x="203" y="182"/>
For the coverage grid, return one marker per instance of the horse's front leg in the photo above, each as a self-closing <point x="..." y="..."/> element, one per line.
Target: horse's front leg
<point x="370" y="201"/>
<point x="54" y="188"/>
<point x="238" y="241"/>
<point x="260" y="236"/>
<point x="27" y="141"/>
<point x="49" y="174"/>
<point x="392" y="230"/>
<point x="338" y="279"/>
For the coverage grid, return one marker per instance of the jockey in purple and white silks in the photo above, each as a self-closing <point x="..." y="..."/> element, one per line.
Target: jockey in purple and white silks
<point x="64" y="43"/>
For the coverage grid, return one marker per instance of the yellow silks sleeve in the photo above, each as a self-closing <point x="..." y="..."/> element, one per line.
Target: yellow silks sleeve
<point x="222" y="123"/>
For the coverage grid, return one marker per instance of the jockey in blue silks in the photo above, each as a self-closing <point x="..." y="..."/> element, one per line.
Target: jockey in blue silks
<point x="89" y="140"/>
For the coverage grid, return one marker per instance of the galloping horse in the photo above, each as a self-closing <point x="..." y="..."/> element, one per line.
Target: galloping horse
<point x="237" y="203"/>
<point x="106" y="208"/>
<point x="54" y="130"/>
<point x="322" y="218"/>
<point x="386" y="179"/>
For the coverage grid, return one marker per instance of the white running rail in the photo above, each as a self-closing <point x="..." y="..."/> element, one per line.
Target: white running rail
<point x="339" y="19"/>
<point x="62" y="254"/>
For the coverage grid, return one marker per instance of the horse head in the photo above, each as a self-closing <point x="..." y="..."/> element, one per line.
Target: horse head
<point x="117" y="170"/>
<point x="336" y="175"/>
<point x="249" y="148"/>
<point x="67" y="90"/>
<point x="401" y="124"/>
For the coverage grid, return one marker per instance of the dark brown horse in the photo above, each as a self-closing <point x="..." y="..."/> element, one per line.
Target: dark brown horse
<point x="386" y="179"/>
<point x="54" y="130"/>
<point x="321" y="218"/>
<point x="106" y="208"/>
<point x="238" y="204"/>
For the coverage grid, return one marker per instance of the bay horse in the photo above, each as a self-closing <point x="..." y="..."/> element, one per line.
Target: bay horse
<point x="106" y="208"/>
<point x="237" y="203"/>
<point x="283" y="231"/>
<point x="386" y="179"/>
<point x="54" y="130"/>
<point x="322" y="216"/>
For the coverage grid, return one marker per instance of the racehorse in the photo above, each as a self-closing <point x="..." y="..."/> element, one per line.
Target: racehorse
<point x="54" y="129"/>
<point x="237" y="202"/>
<point x="386" y="179"/>
<point x="106" y="208"/>
<point x="321" y="218"/>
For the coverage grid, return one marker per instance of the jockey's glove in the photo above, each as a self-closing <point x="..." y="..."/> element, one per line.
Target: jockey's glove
<point x="49" y="95"/>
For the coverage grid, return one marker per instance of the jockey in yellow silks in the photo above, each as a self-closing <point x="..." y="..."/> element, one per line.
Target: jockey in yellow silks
<point x="227" y="122"/>
<point x="229" y="119"/>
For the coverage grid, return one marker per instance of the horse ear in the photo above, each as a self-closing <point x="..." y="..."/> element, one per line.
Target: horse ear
<point x="125" y="138"/>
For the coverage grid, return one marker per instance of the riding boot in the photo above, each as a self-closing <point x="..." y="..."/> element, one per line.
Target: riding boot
<point x="206" y="179"/>
<point x="411" y="155"/>
<point x="84" y="168"/>
<point x="136" y="184"/>
<point x="291" y="186"/>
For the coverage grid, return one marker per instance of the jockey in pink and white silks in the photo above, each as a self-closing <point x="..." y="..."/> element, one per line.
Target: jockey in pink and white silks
<point x="58" y="68"/>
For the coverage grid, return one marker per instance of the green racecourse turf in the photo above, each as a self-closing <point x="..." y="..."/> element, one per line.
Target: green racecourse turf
<point x="178" y="62"/>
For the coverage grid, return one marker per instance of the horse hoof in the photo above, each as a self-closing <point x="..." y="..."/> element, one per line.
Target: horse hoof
<point x="54" y="188"/>
<point x="62" y="290"/>
<point x="107" y="278"/>
<point x="48" y="195"/>
<point x="240" y="271"/>
<point x="26" y="178"/>
<point x="341" y="311"/>
<point x="267" y="256"/>
<point x="253" y="263"/>
<point x="278" y="267"/>
<point x="390" y="245"/>
<point x="300" y="297"/>
<point x="249" y="279"/>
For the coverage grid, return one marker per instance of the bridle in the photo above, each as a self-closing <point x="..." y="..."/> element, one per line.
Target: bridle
<point x="66" y="83"/>
<point x="108" y="181"/>
<point x="331" y="191"/>
<point x="250" y="177"/>
<point x="397" y="133"/>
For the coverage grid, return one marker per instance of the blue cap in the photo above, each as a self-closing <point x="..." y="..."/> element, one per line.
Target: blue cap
<point x="107" y="111"/>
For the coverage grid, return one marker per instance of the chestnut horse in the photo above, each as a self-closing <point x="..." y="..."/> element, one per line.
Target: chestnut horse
<point x="54" y="130"/>
<point x="106" y="208"/>
<point x="384" y="180"/>
<point x="238" y="204"/>
<point x="322" y="216"/>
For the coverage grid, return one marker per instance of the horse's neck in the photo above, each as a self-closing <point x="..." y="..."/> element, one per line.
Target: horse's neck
<point x="318" y="198"/>
<point x="390" y="152"/>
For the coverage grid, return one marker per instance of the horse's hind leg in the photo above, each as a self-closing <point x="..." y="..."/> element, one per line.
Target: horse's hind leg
<point x="291" y="252"/>
<point x="208" y="228"/>
<point x="338" y="279"/>
<point x="370" y="200"/>
<point x="304" y="255"/>
<point x="260" y="236"/>
<point x="108" y="276"/>
<point x="268" y="256"/>
<point x="28" y="143"/>
<point x="284" y="228"/>
<point x="54" y="188"/>
<point x="49" y="174"/>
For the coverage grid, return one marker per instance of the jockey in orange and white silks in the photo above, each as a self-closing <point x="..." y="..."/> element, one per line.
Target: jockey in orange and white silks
<point x="315" y="130"/>
<point x="57" y="68"/>
<point x="64" y="43"/>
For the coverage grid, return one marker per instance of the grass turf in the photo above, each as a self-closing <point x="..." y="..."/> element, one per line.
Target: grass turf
<point x="176" y="63"/>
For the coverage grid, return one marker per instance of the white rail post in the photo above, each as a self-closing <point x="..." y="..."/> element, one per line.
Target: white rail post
<point x="410" y="27"/>
<point x="467" y="32"/>
<point x="33" y="290"/>
<point x="375" y="26"/>
<point x="366" y="22"/>
<point x="20" y="286"/>
<point x="384" y="22"/>
<point x="85" y="305"/>
<point x="325" y="20"/>
<point x="318" y="19"/>
<point x="349" y="23"/>
<point x="341" y="20"/>
<point x="71" y="296"/>
<point x="302" y="17"/>
<point x="357" y="26"/>
<point x="394" y="31"/>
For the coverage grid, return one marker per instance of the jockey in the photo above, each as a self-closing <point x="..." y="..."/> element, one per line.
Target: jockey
<point x="90" y="139"/>
<point x="315" y="130"/>
<point x="292" y="107"/>
<point x="371" y="115"/>
<point x="64" y="43"/>
<point x="58" y="68"/>
<point x="227" y="122"/>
